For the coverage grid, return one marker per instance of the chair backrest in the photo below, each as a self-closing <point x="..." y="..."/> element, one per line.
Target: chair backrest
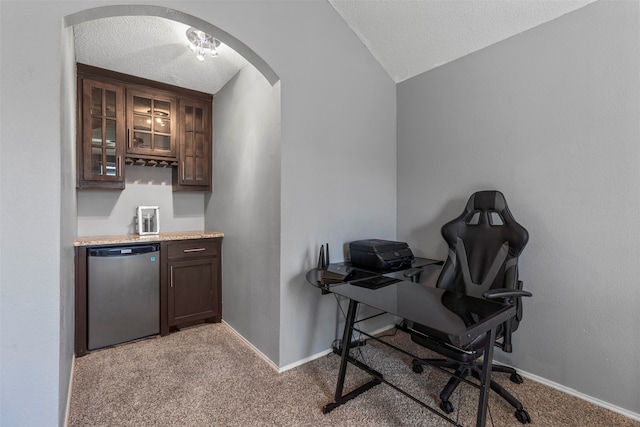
<point x="485" y="242"/>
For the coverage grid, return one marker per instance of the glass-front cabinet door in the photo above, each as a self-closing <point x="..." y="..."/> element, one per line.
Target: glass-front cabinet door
<point x="194" y="169"/>
<point x="129" y="120"/>
<point x="103" y="130"/>
<point x="151" y="123"/>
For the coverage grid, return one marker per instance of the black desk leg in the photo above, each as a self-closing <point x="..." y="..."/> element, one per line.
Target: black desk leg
<point x="339" y="399"/>
<point x="485" y="381"/>
<point x="346" y="341"/>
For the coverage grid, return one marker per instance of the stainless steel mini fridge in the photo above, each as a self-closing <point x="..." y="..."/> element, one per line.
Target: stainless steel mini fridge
<point x="123" y="293"/>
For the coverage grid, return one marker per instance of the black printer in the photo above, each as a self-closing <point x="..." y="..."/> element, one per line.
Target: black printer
<point x="377" y="254"/>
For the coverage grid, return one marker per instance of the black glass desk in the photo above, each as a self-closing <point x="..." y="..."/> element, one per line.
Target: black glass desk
<point x="437" y="309"/>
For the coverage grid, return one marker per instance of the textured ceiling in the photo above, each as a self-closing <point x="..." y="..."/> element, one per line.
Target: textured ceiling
<point x="409" y="37"/>
<point x="153" y="48"/>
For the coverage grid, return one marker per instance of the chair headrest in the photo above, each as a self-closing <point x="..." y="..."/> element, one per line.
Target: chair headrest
<point x="486" y="212"/>
<point x="487" y="207"/>
<point x="487" y="200"/>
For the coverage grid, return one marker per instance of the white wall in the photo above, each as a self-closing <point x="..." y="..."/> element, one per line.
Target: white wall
<point x="550" y="117"/>
<point x="337" y="167"/>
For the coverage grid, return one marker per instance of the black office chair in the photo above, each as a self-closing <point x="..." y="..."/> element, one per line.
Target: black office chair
<point x="484" y="242"/>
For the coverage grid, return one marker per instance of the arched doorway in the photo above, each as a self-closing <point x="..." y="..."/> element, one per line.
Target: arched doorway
<point x="259" y="184"/>
<point x="174" y="15"/>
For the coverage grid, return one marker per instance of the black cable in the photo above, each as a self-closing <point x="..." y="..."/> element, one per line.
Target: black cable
<point x="360" y="341"/>
<point x="393" y="334"/>
<point x="338" y="341"/>
<point x="460" y="387"/>
<point x="490" y="417"/>
<point x="339" y="305"/>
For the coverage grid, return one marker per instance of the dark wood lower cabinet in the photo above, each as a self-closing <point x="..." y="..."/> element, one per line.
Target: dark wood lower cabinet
<point x="191" y="285"/>
<point x="192" y="290"/>
<point x="80" y="301"/>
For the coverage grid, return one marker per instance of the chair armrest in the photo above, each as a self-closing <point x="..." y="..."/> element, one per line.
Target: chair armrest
<point x="413" y="274"/>
<point x="505" y="293"/>
<point x="512" y="297"/>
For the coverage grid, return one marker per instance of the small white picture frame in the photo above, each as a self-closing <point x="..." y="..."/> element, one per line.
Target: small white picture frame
<point x="148" y="220"/>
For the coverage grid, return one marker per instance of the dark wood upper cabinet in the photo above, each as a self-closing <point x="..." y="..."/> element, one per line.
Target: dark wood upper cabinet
<point x="127" y="119"/>
<point x="151" y="123"/>
<point x="101" y="132"/>
<point x="194" y="168"/>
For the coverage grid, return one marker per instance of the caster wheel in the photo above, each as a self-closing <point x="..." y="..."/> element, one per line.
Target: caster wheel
<point x="417" y="368"/>
<point x="446" y="406"/>
<point x="523" y="416"/>
<point x="515" y="378"/>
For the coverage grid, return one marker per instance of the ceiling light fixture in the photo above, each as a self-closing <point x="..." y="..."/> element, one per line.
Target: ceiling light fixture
<point x="201" y="42"/>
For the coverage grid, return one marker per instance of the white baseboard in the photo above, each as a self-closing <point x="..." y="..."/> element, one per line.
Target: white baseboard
<point x="582" y="396"/>
<point x="253" y="347"/>
<point x="328" y="351"/>
<point x="533" y="377"/>
<point x="301" y="361"/>
<point x="68" y="409"/>
<point x="528" y="375"/>
<point x="305" y="360"/>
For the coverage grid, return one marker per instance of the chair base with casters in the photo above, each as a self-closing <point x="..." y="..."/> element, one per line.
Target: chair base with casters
<point x="474" y="370"/>
<point x="465" y="361"/>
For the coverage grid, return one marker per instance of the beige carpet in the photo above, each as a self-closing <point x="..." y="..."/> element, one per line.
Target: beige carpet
<point x="207" y="376"/>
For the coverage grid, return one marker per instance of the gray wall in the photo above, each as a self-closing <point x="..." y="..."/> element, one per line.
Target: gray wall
<point x="245" y="203"/>
<point x="113" y="212"/>
<point x="338" y="135"/>
<point x="31" y="291"/>
<point x="68" y="215"/>
<point x="338" y="176"/>
<point x="559" y="103"/>
<point x="336" y="166"/>
<point x="550" y="117"/>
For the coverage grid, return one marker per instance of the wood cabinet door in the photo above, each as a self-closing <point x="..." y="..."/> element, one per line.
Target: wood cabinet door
<point x="151" y="123"/>
<point x="193" y="290"/>
<point x="194" y="168"/>
<point x="100" y="159"/>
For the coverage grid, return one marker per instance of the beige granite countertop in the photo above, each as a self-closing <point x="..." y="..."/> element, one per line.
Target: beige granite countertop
<point x="134" y="238"/>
